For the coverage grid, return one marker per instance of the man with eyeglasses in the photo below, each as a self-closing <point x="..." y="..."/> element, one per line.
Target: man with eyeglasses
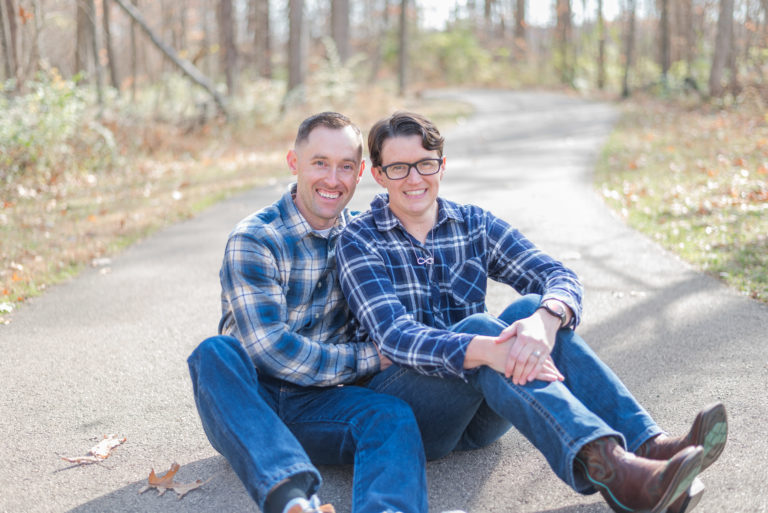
<point x="414" y="270"/>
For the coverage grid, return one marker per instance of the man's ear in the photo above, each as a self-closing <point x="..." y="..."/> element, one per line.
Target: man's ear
<point x="362" y="168"/>
<point x="293" y="161"/>
<point x="442" y="168"/>
<point x="378" y="175"/>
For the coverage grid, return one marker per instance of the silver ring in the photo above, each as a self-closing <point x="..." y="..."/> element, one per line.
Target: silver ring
<point x="536" y="353"/>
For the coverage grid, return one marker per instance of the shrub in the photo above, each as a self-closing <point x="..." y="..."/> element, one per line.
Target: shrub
<point x="48" y="130"/>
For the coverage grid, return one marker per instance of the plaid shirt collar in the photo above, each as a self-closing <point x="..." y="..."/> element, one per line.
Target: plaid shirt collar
<point x="385" y="220"/>
<point x="296" y="226"/>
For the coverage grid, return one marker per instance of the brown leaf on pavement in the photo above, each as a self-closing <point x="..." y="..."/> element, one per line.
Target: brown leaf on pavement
<point x="165" y="482"/>
<point x="98" y="452"/>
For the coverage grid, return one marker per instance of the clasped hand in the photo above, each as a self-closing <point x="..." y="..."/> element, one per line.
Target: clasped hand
<point x="528" y="343"/>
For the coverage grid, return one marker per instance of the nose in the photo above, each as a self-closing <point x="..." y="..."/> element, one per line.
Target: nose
<point x="333" y="176"/>
<point x="413" y="175"/>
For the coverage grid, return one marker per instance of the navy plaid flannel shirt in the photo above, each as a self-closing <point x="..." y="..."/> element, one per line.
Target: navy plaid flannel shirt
<point x="280" y="297"/>
<point x="406" y="294"/>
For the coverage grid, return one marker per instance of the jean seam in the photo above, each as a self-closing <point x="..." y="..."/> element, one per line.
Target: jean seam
<point x="390" y="380"/>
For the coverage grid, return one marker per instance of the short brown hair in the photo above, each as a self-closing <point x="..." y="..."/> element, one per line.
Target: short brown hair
<point x="403" y="124"/>
<point x="333" y="120"/>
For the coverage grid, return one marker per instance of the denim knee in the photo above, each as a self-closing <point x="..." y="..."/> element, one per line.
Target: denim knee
<point x="391" y="413"/>
<point x="479" y="324"/>
<point x="216" y="347"/>
<point x="521" y="308"/>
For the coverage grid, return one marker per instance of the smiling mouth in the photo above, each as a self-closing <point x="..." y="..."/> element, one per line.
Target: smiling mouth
<point x="415" y="193"/>
<point x="329" y="194"/>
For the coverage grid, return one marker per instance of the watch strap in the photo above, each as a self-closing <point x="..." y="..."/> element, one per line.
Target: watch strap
<point x="560" y="315"/>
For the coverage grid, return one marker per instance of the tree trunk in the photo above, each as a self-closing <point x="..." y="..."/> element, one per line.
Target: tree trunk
<point x="295" y="44"/>
<point x="402" y="56"/>
<point x="95" y="53"/>
<point x="227" y="48"/>
<point x="5" y="40"/>
<point x="340" y="27"/>
<point x="563" y="35"/>
<point x="204" y="54"/>
<point x="521" y="46"/>
<point x="722" y="48"/>
<point x="261" y="34"/>
<point x="629" y="48"/>
<point x="689" y="38"/>
<point x="134" y="56"/>
<point x="664" y="49"/>
<point x="488" y="16"/>
<point x="84" y="36"/>
<point x="34" y="56"/>
<point x="111" y="57"/>
<point x="600" y="46"/>
<point x="382" y="28"/>
<point x="733" y="57"/>
<point x="185" y="66"/>
<point x="13" y="36"/>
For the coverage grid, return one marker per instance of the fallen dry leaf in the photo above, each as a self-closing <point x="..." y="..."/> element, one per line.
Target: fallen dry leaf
<point x="98" y="452"/>
<point x="165" y="482"/>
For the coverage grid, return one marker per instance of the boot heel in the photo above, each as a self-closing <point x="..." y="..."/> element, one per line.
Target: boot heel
<point x="689" y="499"/>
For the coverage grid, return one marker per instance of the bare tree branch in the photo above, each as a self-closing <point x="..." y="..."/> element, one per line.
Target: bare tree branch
<point x="184" y="65"/>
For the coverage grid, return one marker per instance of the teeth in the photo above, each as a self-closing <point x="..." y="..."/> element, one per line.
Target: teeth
<point x="415" y="193"/>
<point x="329" y="195"/>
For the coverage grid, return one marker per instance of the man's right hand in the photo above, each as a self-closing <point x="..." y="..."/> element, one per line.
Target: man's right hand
<point x="384" y="361"/>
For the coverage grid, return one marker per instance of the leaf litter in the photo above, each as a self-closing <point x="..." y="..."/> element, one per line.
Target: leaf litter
<point x="165" y="482"/>
<point x="98" y="452"/>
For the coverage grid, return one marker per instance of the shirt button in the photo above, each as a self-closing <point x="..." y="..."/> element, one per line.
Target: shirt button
<point x="317" y="315"/>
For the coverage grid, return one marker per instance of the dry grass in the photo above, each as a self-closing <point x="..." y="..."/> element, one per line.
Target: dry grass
<point x="696" y="180"/>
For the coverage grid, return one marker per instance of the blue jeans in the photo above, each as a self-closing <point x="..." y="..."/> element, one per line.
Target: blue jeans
<point x="270" y="430"/>
<point x="558" y="418"/>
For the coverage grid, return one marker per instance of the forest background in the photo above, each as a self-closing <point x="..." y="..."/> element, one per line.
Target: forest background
<point x="118" y="117"/>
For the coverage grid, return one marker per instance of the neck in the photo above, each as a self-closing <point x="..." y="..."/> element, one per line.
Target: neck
<point x="419" y="227"/>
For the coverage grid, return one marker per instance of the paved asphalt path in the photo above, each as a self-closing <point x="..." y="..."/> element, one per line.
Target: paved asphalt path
<point x="106" y="352"/>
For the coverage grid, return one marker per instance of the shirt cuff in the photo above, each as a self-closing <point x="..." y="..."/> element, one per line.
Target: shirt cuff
<point x="368" y="361"/>
<point x="573" y="305"/>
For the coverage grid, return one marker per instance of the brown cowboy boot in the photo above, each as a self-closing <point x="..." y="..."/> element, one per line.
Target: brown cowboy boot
<point x="689" y="499"/>
<point x="631" y="483"/>
<point x="709" y="430"/>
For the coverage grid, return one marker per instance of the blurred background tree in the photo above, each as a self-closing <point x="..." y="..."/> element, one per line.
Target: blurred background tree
<point x="715" y="47"/>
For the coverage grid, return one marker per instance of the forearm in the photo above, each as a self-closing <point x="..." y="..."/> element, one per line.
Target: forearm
<point x="483" y="350"/>
<point x="304" y="362"/>
<point x="426" y="350"/>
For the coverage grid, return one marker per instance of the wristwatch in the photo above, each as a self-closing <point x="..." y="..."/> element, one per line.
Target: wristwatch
<point x="558" y="312"/>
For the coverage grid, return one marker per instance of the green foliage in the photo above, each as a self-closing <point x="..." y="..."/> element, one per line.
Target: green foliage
<point x="332" y="83"/>
<point x="44" y="131"/>
<point x="454" y="57"/>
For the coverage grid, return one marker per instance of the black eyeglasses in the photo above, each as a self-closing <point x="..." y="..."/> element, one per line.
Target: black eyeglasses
<point x="400" y="170"/>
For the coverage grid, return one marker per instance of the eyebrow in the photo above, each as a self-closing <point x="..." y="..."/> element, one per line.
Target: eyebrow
<point x="321" y="156"/>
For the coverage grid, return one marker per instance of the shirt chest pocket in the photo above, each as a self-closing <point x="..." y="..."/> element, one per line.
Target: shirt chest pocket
<point x="468" y="281"/>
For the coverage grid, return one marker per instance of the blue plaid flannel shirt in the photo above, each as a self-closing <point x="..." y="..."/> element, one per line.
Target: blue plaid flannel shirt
<point x="407" y="294"/>
<point x="280" y="297"/>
